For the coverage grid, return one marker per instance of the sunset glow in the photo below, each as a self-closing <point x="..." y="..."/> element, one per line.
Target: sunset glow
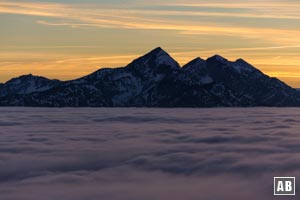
<point x="66" y="39"/>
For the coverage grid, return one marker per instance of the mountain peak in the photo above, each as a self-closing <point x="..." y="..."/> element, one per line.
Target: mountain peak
<point x="27" y="84"/>
<point x="197" y="62"/>
<point x="157" y="50"/>
<point x="243" y="66"/>
<point x="155" y="59"/>
<point x="27" y="75"/>
<point x="241" y="60"/>
<point x="24" y="78"/>
<point x="218" y="58"/>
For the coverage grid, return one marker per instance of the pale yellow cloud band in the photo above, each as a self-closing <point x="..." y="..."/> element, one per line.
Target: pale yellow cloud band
<point x="77" y="17"/>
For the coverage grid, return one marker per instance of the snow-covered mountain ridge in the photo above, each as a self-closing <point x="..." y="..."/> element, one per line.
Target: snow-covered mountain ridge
<point x="156" y="80"/>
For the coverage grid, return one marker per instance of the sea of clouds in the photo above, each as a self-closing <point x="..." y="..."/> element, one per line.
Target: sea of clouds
<point x="146" y="154"/>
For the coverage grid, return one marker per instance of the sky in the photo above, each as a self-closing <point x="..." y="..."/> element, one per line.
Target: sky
<point x="67" y="39"/>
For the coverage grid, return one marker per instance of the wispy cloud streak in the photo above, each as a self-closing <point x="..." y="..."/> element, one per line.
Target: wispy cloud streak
<point x="132" y="18"/>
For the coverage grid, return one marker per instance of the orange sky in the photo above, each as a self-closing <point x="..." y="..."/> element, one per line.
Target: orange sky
<point x="69" y="39"/>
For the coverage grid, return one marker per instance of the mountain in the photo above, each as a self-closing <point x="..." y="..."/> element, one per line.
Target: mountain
<point x="27" y="84"/>
<point x="156" y="80"/>
<point x="240" y="84"/>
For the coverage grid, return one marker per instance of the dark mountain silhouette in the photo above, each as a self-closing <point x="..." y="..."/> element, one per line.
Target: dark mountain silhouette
<point x="156" y="80"/>
<point x="27" y="84"/>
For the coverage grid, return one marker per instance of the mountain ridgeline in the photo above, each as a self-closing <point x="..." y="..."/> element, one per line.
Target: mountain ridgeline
<point x="156" y="80"/>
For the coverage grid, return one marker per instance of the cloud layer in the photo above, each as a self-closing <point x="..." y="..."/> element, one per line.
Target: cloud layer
<point x="146" y="153"/>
